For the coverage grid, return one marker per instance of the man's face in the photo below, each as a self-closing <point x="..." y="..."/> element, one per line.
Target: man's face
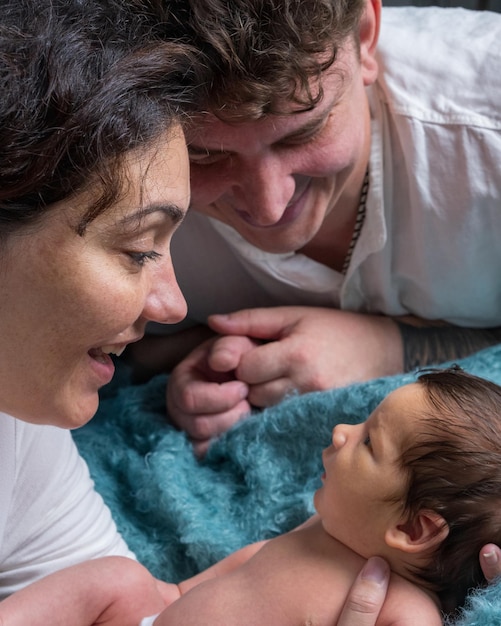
<point x="278" y="180"/>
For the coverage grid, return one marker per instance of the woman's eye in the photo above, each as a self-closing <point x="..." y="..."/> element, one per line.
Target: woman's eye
<point x="140" y="258"/>
<point x="367" y="441"/>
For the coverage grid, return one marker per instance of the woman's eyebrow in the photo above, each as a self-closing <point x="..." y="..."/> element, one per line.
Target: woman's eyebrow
<point x="173" y="211"/>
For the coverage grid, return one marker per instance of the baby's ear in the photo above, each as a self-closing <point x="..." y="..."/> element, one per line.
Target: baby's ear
<point x="426" y="530"/>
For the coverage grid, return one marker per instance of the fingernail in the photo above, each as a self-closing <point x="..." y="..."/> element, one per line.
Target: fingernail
<point x="244" y="391"/>
<point x="375" y="570"/>
<point x="491" y="557"/>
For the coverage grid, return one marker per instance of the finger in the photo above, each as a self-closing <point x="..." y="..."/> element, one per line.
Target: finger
<point x="196" y="366"/>
<point x="367" y="594"/>
<point x="198" y="396"/>
<point x="263" y="323"/>
<point x="226" y="352"/>
<point x="264" y="363"/>
<point x="200" y="447"/>
<point x="207" y="426"/>
<point x="490" y="561"/>
<point x="270" y="393"/>
<point x="216" y="425"/>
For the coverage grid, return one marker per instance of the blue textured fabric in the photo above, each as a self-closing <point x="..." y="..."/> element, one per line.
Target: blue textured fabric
<point x="180" y="515"/>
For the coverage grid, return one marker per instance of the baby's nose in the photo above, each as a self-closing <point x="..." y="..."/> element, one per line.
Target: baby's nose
<point x="338" y="436"/>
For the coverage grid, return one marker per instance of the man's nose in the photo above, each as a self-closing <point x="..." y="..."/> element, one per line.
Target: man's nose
<point x="263" y="189"/>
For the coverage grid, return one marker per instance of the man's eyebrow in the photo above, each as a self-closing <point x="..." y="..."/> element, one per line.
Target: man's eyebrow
<point x="173" y="211"/>
<point x="308" y="127"/>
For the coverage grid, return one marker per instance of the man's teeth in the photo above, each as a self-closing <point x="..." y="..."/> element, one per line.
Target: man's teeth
<point x="113" y="350"/>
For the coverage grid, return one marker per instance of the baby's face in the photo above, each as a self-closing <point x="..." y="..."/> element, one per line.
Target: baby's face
<point x="363" y="485"/>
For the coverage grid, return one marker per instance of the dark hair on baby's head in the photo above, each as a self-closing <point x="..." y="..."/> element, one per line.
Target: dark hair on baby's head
<point x="454" y="469"/>
<point x="82" y="83"/>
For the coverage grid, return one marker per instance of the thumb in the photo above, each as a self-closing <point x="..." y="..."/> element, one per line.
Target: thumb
<point x="490" y="561"/>
<point x="226" y="352"/>
<point x="262" y="323"/>
<point x="367" y="594"/>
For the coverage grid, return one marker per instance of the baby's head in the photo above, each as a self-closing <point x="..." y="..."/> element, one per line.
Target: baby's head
<point x="419" y="482"/>
<point x="454" y="469"/>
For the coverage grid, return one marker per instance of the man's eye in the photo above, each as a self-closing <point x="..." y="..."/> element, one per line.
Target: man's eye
<point x="140" y="258"/>
<point x="305" y="138"/>
<point x="207" y="159"/>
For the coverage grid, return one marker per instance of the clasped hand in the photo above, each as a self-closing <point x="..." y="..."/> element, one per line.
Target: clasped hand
<point x="260" y="355"/>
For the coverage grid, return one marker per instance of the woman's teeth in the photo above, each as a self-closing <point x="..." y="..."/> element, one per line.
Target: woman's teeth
<point x="98" y="353"/>
<point x="116" y="350"/>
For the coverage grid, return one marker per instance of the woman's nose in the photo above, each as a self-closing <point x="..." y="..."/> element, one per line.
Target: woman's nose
<point x="165" y="303"/>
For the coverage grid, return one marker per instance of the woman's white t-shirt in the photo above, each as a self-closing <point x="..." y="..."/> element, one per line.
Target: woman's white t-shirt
<point x="50" y="514"/>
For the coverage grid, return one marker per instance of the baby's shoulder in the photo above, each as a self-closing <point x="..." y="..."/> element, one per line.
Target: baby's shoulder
<point x="408" y="604"/>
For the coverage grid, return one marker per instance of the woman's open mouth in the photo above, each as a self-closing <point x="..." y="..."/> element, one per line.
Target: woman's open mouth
<point x="102" y="354"/>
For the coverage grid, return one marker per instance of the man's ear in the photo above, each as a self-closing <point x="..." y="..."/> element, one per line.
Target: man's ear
<point x="426" y="530"/>
<point x="368" y="36"/>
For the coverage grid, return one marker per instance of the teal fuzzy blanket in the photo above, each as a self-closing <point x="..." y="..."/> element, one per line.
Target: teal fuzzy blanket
<point x="180" y="515"/>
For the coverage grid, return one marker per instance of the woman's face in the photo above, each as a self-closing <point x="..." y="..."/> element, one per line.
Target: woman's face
<point x="68" y="300"/>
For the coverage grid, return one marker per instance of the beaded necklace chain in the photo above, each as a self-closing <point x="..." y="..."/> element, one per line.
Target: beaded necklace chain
<point x="359" y="222"/>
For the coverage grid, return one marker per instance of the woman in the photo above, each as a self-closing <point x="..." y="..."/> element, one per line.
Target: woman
<point x="94" y="181"/>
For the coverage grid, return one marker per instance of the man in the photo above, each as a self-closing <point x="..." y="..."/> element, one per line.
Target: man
<point x="346" y="194"/>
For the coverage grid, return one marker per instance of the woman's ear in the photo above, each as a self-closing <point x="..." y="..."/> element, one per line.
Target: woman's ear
<point x="368" y="37"/>
<point x="426" y="530"/>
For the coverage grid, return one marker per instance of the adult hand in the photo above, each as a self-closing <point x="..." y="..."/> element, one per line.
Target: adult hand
<point x="367" y="594"/>
<point x="310" y="349"/>
<point x="204" y="398"/>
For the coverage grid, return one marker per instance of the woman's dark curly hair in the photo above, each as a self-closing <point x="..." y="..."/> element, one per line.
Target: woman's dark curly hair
<point x="82" y="83"/>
